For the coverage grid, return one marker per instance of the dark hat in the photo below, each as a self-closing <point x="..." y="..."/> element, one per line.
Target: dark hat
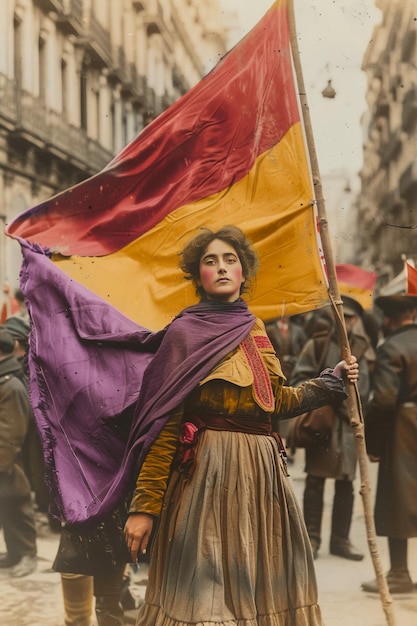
<point x="351" y="306"/>
<point x="396" y="304"/>
<point x="17" y="327"/>
<point x="6" y="341"/>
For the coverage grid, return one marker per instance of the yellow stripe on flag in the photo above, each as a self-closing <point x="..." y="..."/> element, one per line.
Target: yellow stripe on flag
<point x="272" y="204"/>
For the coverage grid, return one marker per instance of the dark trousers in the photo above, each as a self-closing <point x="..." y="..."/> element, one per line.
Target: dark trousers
<point x="18" y="522"/>
<point x="398" y="549"/>
<point x="313" y="508"/>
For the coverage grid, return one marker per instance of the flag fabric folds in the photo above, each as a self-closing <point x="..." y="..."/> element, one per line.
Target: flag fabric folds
<point x="230" y="151"/>
<point x="100" y="269"/>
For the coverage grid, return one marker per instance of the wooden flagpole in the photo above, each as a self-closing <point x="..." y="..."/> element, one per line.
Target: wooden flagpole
<point x="355" y="410"/>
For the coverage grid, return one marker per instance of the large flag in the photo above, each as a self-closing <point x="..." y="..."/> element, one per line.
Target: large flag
<point x="356" y="282"/>
<point x="231" y="151"/>
<point x="100" y="260"/>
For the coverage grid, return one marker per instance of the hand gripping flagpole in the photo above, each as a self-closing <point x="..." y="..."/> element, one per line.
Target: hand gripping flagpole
<point x="355" y="409"/>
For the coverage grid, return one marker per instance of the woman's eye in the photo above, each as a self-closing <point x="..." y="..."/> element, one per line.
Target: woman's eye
<point x="231" y="259"/>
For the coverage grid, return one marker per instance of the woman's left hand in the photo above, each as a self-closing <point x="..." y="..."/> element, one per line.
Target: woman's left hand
<point x="350" y="370"/>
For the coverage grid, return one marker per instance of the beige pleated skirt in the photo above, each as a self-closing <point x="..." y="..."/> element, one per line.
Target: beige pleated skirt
<point x="231" y="547"/>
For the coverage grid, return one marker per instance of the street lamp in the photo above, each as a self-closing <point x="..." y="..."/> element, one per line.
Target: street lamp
<point x="328" y="91"/>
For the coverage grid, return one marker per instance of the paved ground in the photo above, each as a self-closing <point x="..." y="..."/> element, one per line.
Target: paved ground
<point x="36" y="599"/>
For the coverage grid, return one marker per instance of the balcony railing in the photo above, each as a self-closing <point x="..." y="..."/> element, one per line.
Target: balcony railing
<point x="8" y="102"/>
<point x="70" y="20"/>
<point x="96" y="42"/>
<point x="26" y="118"/>
<point x="49" y="5"/>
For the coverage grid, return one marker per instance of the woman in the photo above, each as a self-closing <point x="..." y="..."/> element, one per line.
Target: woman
<point x="231" y="546"/>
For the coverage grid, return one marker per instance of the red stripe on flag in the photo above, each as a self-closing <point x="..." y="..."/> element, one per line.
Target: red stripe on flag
<point x="203" y="144"/>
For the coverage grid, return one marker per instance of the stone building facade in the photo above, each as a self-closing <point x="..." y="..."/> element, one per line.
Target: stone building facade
<point x="79" y="79"/>
<point x="387" y="226"/>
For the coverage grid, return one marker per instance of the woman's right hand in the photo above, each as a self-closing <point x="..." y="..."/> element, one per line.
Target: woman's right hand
<point x="138" y="529"/>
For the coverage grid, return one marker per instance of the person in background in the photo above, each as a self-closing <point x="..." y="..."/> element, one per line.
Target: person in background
<point x="288" y="338"/>
<point x="10" y="305"/>
<point x="391" y="436"/>
<point x="22" y="308"/>
<point x="17" y="517"/>
<point x="230" y="545"/>
<point x="334" y="457"/>
<point x="32" y="453"/>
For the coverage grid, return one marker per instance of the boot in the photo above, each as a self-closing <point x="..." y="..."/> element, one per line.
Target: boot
<point x="313" y="510"/>
<point x="340" y="544"/>
<point x="27" y="565"/>
<point x="77" y="591"/>
<point x="109" y="611"/>
<point x="399" y="581"/>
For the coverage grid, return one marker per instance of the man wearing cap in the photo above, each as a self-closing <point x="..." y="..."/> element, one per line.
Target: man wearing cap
<point x="16" y="512"/>
<point x="19" y="329"/>
<point x="334" y="457"/>
<point x="391" y="436"/>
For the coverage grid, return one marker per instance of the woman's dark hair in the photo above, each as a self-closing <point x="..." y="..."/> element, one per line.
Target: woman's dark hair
<point x="194" y="250"/>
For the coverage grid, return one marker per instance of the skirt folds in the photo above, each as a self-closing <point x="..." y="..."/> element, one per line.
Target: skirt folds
<point x="231" y="548"/>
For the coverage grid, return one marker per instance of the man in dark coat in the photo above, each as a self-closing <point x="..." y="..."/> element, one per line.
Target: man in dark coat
<point x="334" y="457"/>
<point x="288" y="337"/>
<point x="32" y="453"/>
<point x="391" y="436"/>
<point x="17" y="517"/>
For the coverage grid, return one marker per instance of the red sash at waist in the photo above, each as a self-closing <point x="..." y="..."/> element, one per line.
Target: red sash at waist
<point x="192" y="428"/>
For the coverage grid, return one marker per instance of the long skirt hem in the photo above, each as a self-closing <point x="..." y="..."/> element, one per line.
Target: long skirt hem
<point x="303" y="617"/>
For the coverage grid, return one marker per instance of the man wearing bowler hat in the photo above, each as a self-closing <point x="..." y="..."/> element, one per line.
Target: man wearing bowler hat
<point x="391" y="436"/>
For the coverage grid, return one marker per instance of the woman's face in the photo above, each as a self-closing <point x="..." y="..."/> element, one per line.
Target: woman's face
<point x="221" y="274"/>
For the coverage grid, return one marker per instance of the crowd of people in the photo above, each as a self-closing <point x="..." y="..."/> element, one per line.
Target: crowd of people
<point x="213" y="509"/>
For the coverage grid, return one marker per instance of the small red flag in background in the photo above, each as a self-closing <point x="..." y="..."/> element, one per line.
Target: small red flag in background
<point x="411" y="279"/>
<point x="356" y="282"/>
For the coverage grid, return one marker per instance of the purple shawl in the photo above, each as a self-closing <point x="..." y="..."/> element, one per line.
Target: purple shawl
<point x="102" y="387"/>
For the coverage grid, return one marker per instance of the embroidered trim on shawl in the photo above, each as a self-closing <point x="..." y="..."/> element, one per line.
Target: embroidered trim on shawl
<point x="262" y="389"/>
<point x="262" y="341"/>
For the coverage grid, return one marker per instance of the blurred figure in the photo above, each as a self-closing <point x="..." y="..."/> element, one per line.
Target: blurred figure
<point x="19" y="329"/>
<point x="334" y="457"/>
<point x="391" y="436"/>
<point x="32" y="453"/>
<point x="10" y="305"/>
<point x="16" y="512"/>
<point x="288" y="338"/>
<point x="22" y="308"/>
